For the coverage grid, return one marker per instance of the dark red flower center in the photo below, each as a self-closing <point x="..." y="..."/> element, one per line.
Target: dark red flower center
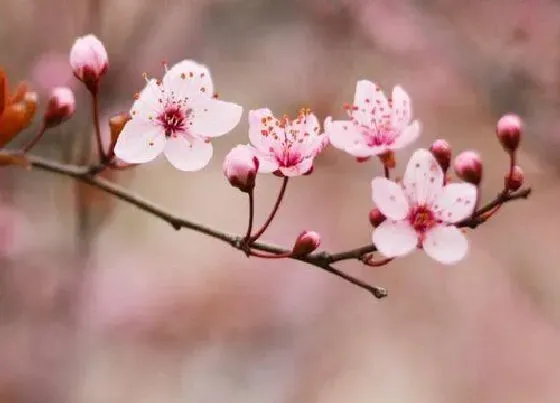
<point x="174" y="120"/>
<point x="422" y="219"/>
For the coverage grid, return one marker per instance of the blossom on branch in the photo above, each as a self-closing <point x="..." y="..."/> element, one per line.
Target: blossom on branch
<point x="421" y="212"/>
<point x="377" y="124"/>
<point x="177" y="116"/>
<point x="285" y="146"/>
<point x="89" y="60"/>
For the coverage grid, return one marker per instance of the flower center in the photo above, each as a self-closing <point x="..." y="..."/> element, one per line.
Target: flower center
<point x="173" y="120"/>
<point x="379" y="136"/>
<point x="422" y="219"/>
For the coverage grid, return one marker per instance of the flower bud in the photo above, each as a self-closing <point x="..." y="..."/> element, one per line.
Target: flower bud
<point x="514" y="181"/>
<point x="468" y="167"/>
<point x="508" y="130"/>
<point x="441" y="150"/>
<point x="306" y="243"/>
<point x="376" y="217"/>
<point x="240" y="168"/>
<point x="89" y="61"/>
<point x="60" y="107"/>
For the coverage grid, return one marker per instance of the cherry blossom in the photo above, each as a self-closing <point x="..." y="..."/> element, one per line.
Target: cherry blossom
<point x="177" y="116"/>
<point x="421" y="212"/>
<point x="377" y="124"/>
<point x="283" y="145"/>
<point x="89" y="61"/>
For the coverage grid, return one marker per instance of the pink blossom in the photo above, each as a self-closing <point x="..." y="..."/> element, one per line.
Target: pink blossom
<point x="89" y="60"/>
<point x="240" y="167"/>
<point x="306" y="243"/>
<point x="376" y="124"/>
<point x="422" y="211"/>
<point x="285" y="146"/>
<point x="61" y="106"/>
<point x="177" y="116"/>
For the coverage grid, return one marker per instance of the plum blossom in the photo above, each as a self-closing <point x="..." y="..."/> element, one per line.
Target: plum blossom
<point x="89" y="61"/>
<point x="422" y="211"/>
<point x="377" y="124"/>
<point x="285" y="146"/>
<point x="177" y="116"/>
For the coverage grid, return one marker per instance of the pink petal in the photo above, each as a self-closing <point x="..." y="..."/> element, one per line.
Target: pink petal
<point x="395" y="238"/>
<point x="188" y="154"/>
<point x="445" y="244"/>
<point x="389" y="198"/>
<point x="423" y="178"/>
<point x="264" y="132"/>
<point x="147" y="104"/>
<point x="409" y="134"/>
<point x="455" y="202"/>
<point x="267" y="162"/>
<point x="189" y="79"/>
<point x="140" y="142"/>
<point x="342" y="133"/>
<point x="298" y="169"/>
<point x="401" y="110"/>
<point x="212" y="118"/>
<point x="370" y="103"/>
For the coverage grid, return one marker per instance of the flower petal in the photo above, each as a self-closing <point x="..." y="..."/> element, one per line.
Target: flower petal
<point x="395" y="238"/>
<point x="264" y="131"/>
<point x="147" y="104"/>
<point x="140" y="142"/>
<point x="342" y="133"/>
<point x="446" y="244"/>
<point x="455" y="202"/>
<point x="401" y="110"/>
<point x="409" y="134"/>
<point x="370" y="104"/>
<point x="299" y="169"/>
<point x="189" y="79"/>
<point x="389" y="198"/>
<point x="423" y="178"/>
<point x="212" y="118"/>
<point x="188" y="153"/>
<point x="267" y="162"/>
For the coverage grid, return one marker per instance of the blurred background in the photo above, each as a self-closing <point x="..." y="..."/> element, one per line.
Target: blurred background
<point x="101" y="303"/>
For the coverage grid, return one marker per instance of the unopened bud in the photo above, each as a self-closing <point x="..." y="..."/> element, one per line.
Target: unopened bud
<point x="514" y="181"/>
<point x="89" y="61"/>
<point x="240" y="168"/>
<point x="60" y="107"/>
<point x="441" y="150"/>
<point x="376" y="217"/>
<point x="509" y="130"/>
<point x="306" y="243"/>
<point x="468" y="167"/>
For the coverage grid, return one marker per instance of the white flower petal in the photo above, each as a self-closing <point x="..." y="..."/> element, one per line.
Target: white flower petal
<point x="212" y="118"/>
<point x="188" y="154"/>
<point x="189" y="79"/>
<point x="342" y="133"/>
<point x="139" y="142"/>
<point x="267" y="162"/>
<point x="395" y="238"/>
<point x="423" y="178"/>
<point x="147" y="104"/>
<point x="370" y="103"/>
<point x="456" y="202"/>
<point x="445" y="244"/>
<point x="401" y="110"/>
<point x="299" y="169"/>
<point x="389" y="198"/>
<point x="264" y="131"/>
<point x="407" y="136"/>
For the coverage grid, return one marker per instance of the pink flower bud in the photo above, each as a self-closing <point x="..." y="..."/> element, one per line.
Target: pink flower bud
<point x="441" y="150"/>
<point x="89" y="61"/>
<point x="376" y="217"/>
<point x="60" y="107"/>
<point x="508" y="130"/>
<point x="514" y="181"/>
<point x="240" y="168"/>
<point x="306" y="243"/>
<point x="468" y="167"/>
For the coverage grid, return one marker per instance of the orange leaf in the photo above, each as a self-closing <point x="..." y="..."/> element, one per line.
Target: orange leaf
<point x="14" y="159"/>
<point x="4" y="90"/>
<point x="17" y="117"/>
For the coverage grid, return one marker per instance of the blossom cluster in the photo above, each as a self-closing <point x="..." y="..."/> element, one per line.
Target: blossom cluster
<point x="179" y="115"/>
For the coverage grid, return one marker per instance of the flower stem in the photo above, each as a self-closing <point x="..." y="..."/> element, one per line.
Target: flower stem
<point x="251" y="215"/>
<point x="255" y="253"/>
<point x="95" y="110"/>
<point x="35" y="139"/>
<point x="272" y="213"/>
<point x="387" y="172"/>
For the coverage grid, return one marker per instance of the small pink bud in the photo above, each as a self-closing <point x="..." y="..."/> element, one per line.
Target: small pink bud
<point x="468" y="167"/>
<point x="60" y="107"/>
<point x="441" y="150"/>
<point x="306" y="243"/>
<point x="508" y="130"/>
<point x="514" y="181"/>
<point x="240" y="168"/>
<point x="89" y="61"/>
<point x="376" y="217"/>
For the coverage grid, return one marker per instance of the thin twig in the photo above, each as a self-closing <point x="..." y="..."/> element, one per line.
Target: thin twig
<point x="273" y="212"/>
